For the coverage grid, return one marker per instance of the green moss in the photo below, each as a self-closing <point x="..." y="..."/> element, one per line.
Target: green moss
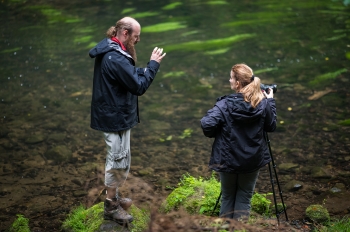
<point x="260" y="204"/>
<point x="90" y="220"/>
<point x="317" y="213"/>
<point x="20" y="224"/>
<point x="81" y="219"/>
<point x="196" y="195"/>
<point x="141" y="219"/>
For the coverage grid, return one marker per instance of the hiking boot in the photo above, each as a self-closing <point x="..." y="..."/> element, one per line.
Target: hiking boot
<point x="114" y="211"/>
<point x="125" y="203"/>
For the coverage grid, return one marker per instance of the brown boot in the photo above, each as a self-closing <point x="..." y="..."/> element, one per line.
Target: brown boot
<point x="125" y="203"/>
<point x="114" y="211"/>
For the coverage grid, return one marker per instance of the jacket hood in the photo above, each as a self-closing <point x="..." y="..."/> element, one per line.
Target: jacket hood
<point x="241" y="110"/>
<point x="106" y="45"/>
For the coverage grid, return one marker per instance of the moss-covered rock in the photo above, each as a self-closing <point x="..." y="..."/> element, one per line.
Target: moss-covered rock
<point x="91" y="220"/>
<point x="317" y="213"/>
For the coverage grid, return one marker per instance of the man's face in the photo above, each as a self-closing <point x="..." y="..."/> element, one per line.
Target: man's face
<point x="132" y="39"/>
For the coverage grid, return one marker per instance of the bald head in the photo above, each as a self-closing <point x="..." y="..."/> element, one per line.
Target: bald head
<point x="126" y="24"/>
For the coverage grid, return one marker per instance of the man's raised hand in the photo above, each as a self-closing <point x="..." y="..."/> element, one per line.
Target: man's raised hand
<point x="157" y="54"/>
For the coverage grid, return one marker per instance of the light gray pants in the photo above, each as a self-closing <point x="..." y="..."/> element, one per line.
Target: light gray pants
<point x="118" y="158"/>
<point x="237" y="191"/>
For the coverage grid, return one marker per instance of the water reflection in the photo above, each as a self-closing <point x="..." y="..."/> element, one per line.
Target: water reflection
<point x="50" y="158"/>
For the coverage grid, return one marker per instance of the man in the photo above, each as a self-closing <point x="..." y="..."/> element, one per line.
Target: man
<point x="117" y="84"/>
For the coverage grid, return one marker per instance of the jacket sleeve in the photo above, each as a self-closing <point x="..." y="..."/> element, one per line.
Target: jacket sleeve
<point x="211" y="122"/>
<point x="271" y="115"/>
<point x="135" y="80"/>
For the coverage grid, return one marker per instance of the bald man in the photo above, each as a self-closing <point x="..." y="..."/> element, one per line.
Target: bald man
<point x="117" y="84"/>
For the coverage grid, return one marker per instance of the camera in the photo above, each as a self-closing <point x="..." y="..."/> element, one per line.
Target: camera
<point x="267" y="88"/>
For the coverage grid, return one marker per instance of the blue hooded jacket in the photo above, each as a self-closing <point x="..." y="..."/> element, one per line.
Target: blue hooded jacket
<point x="238" y="129"/>
<point x="116" y="86"/>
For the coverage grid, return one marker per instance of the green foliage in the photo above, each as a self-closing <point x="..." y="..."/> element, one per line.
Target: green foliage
<point x="317" y="213"/>
<point x="20" y="224"/>
<point x="260" y="204"/>
<point x="196" y="195"/>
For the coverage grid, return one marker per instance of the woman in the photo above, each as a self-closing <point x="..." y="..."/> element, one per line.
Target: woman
<point x="238" y="123"/>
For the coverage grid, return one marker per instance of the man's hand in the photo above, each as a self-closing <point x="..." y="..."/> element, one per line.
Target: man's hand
<point x="270" y="94"/>
<point x="157" y="54"/>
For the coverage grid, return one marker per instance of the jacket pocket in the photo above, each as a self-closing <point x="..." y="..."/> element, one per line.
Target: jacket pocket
<point x="120" y="160"/>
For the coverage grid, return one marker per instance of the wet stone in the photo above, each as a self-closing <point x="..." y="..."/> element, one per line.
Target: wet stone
<point x="33" y="139"/>
<point x="294" y="185"/>
<point x="79" y="193"/>
<point x="4" y="131"/>
<point x="5" y="143"/>
<point x="320" y="173"/>
<point x="59" y="153"/>
<point x="287" y="167"/>
<point x="58" y="137"/>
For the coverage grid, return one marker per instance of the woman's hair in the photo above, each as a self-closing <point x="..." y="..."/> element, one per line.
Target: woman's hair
<point x="250" y="85"/>
<point x="123" y="24"/>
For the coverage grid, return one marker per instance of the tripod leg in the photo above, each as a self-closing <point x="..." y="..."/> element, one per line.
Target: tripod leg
<point x="216" y="204"/>
<point x="274" y="194"/>
<point x="278" y="184"/>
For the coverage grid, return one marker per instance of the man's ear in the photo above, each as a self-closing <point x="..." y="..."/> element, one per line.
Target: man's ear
<point x="125" y="32"/>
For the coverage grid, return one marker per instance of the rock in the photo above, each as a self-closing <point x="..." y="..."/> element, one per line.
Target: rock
<point x="5" y="143"/>
<point x="146" y="171"/>
<point x="3" y="131"/>
<point x="33" y="139"/>
<point x="317" y="213"/>
<point x="287" y="167"/>
<point x="320" y="173"/>
<point x="79" y="193"/>
<point x="59" y="153"/>
<point x="294" y="185"/>
<point x="58" y="137"/>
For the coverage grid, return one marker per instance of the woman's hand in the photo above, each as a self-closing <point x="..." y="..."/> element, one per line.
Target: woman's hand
<point x="270" y="94"/>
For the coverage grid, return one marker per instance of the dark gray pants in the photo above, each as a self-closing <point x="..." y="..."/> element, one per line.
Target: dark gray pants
<point x="237" y="191"/>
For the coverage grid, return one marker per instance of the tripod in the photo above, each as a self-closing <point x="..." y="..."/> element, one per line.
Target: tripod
<point x="272" y="183"/>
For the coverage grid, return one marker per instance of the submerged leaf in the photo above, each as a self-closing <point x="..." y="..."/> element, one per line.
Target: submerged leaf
<point x="265" y="70"/>
<point x="160" y="27"/>
<point x="144" y="14"/>
<point x="172" y="6"/>
<point x="199" y="45"/>
<point x="327" y="76"/>
<point x="217" y="52"/>
<point x="217" y="3"/>
<point x="319" y="94"/>
<point x="174" y="74"/>
<point x="127" y="10"/>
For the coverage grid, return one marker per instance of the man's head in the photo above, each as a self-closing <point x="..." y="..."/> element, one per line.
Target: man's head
<point x="127" y="30"/>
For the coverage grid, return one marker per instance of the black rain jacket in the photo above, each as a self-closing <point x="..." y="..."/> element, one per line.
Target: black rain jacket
<point x="238" y="129"/>
<point x="116" y="86"/>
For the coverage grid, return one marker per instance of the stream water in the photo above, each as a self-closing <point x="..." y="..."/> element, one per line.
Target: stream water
<point x="50" y="159"/>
